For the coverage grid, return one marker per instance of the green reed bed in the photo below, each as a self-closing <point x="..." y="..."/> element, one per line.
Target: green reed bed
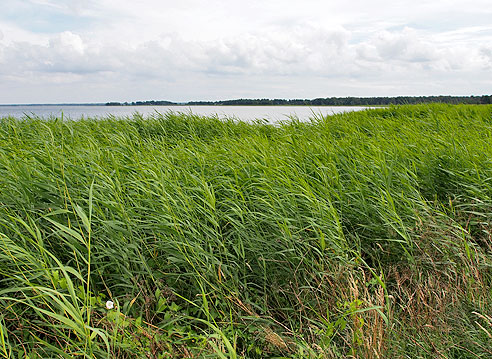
<point x="365" y="234"/>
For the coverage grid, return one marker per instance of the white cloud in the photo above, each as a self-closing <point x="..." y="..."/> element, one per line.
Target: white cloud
<point x="15" y="34"/>
<point x="78" y="7"/>
<point x="306" y="50"/>
<point x="191" y="48"/>
<point x="68" y="41"/>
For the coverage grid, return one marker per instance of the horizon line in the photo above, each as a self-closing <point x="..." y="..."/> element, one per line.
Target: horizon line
<point x="194" y="102"/>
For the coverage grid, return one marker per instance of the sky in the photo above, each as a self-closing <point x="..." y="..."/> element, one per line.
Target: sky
<point x="80" y="51"/>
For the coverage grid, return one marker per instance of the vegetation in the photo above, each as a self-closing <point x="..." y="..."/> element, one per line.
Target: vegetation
<point x="329" y="101"/>
<point x="365" y="234"/>
<point x="142" y="103"/>
<point x="353" y="101"/>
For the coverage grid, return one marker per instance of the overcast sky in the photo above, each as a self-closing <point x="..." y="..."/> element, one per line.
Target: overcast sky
<point x="54" y="51"/>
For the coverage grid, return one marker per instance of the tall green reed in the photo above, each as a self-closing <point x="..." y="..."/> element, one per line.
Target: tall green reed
<point x="260" y="231"/>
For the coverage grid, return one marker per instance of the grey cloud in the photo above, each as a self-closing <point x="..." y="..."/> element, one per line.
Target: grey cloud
<point x="311" y="51"/>
<point x="486" y="53"/>
<point x="406" y="50"/>
<point x="304" y="50"/>
<point x="404" y="46"/>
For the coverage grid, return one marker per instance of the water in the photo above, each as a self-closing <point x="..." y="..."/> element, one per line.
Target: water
<point x="244" y="113"/>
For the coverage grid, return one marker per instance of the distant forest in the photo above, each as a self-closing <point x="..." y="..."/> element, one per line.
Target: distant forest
<point x="329" y="101"/>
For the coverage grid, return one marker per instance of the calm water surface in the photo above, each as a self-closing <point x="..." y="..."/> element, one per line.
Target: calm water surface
<point x="244" y="113"/>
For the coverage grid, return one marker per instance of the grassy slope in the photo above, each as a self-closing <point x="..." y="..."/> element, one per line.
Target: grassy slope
<point x="364" y="234"/>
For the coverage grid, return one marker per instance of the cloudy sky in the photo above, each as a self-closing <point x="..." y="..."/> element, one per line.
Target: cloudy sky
<point x="54" y="51"/>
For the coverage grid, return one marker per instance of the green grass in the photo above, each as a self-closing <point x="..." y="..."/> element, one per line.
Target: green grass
<point x="365" y="234"/>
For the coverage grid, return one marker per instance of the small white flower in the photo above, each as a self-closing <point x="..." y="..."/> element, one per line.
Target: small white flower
<point x="109" y="304"/>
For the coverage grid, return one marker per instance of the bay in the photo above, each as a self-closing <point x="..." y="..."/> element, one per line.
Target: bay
<point x="244" y="113"/>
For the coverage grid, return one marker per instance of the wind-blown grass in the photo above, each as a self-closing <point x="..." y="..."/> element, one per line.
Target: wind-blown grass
<point x="365" y="234"/>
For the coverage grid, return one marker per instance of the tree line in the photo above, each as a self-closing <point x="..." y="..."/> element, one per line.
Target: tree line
<point x="329" y="101"/>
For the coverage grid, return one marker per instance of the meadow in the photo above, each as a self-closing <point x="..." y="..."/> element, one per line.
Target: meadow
<point x="357" y="235"/>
